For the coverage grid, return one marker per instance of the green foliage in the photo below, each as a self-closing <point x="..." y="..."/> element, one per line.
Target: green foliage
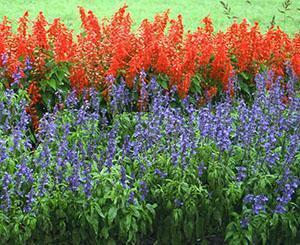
<point x="55" y="82"/>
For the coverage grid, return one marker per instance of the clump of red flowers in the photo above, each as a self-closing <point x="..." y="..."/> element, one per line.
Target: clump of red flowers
<point x="110" y="47"/>
<point x="296" y="63"/>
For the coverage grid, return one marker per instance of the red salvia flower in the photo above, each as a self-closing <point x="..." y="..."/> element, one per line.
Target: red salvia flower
<point x="40" y="32"/>
<point x="296" y="64"/>
<point x="161" y="46"/>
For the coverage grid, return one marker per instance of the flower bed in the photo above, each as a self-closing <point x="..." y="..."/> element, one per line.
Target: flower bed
<point x="169" y="173"/>
<point x="45" y="57"/>
<point x="114" y="136"/>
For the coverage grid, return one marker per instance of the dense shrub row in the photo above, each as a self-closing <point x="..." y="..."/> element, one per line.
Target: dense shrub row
<point x="171" y="173"/>
<point x="45" y="57"/>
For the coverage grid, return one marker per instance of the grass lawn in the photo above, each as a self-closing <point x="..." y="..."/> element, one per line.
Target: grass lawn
<point x="192" y="10"/>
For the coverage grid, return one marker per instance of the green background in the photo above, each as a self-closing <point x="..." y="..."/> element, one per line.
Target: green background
<point x="192" y="10"/>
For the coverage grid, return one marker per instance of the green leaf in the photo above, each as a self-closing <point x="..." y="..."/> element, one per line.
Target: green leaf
<point x="98" y="210"/>
<point x="244" y="87"/>
<point x="274" y="221"/>
<point x="128" y="222"/>
<point x="16" y="228"/>
<point x="249" y="237"/>
<point x="111" y="242"/>
<point x="195" y="85"/>
<point x="52" y="83"/>
<point x="188" y="228"/>
<point x="229" y="235"/>
<point x="60" y="74"/>
<point x="293" y="229"/>
<point x="104" y="232"/>
<point x="177" y="215"/>
<point x="32" y="223"/>
<point x="164" y="84"/>
<point x="112" y="213"/>
<point x="151" y="208"/>
<point x="49" y="75"/>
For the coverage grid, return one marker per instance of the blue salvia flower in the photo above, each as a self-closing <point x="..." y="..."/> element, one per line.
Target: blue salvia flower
<point x="61" y="154"/>
<point x="142" y="169"/>
<point x="144" y="96"/>
<point x="123" y="176"/>
<point x="24" y="116"/>
<point x="143" y="75"/>
<point x="294" y="115"/>
<point x="95" y="100"/>
<point x="3" y="111"/>
<point x="81" y="149"/>
<point x="43" y="182"/>
<point x="81" y="115"/>
<point x="280" y="207"/>
<point x="245" y="222"/>
<point x="5" y="197"/>
<point x="74" y="179"/>
<point x="48" y="128"/>
<point x="20" y="128"/>
<point x="139" y="136"/>
<point x="94" y="104"/>
<point x="28" y="66"/>
<point x="30" y="199"/>
<point x="72" y="100"/>
<point x="17" y="137"/>
<point x="110" y="79"/>
<point x="292" y="148"/>
<point x="126" y="147"/>
<point x="272" y="158"/>
<point x="153" y="88"/>
<point x="92" y="146"/>
<point x="158" y="100"/>
<point x="184" y="148"/>
<point x="4" y="58"/>
<point x="160" y="173"/>
<point x="201" y="168"/>
<point x="173" y="124"/>
<point x="241" y="174"/>
<point x="120" y="97"/>
<point x="292" y="81"/>
<point x="24" y="171"/>
<point x="248" y="198"/>
<point x="178" y="203"/>
<point x="17" y="77"/>
<point x="223" y="126"/>
<point x="45" y="156"/>
<point x="174" y="155"/>
<point x="104" y="120"/>
<point x="131" y="199"/>
<point x="152" y="133"/>
<point x="259" y="203"/>
<point x="246" y="128"/>
<point x="205" y="121"/>
<point x="143" y="190"/>
<point x="260" y="82"/>
<point x="111" y="146"/>
<point x="9" y="94"/>
<point x="60" y="168"/>
<point x="3" y="151"/>
<point x="131" y="180"/>
<point x="287" y="187"/>
<point x="233" y="85"/>
<point x="87" y="179"/>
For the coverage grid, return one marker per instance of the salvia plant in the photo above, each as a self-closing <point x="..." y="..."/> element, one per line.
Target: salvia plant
<point x="152" y="169"/>
<point x="44" y="57"/>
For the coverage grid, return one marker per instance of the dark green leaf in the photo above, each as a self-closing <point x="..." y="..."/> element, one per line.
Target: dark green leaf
<point x="112" y="213"/>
